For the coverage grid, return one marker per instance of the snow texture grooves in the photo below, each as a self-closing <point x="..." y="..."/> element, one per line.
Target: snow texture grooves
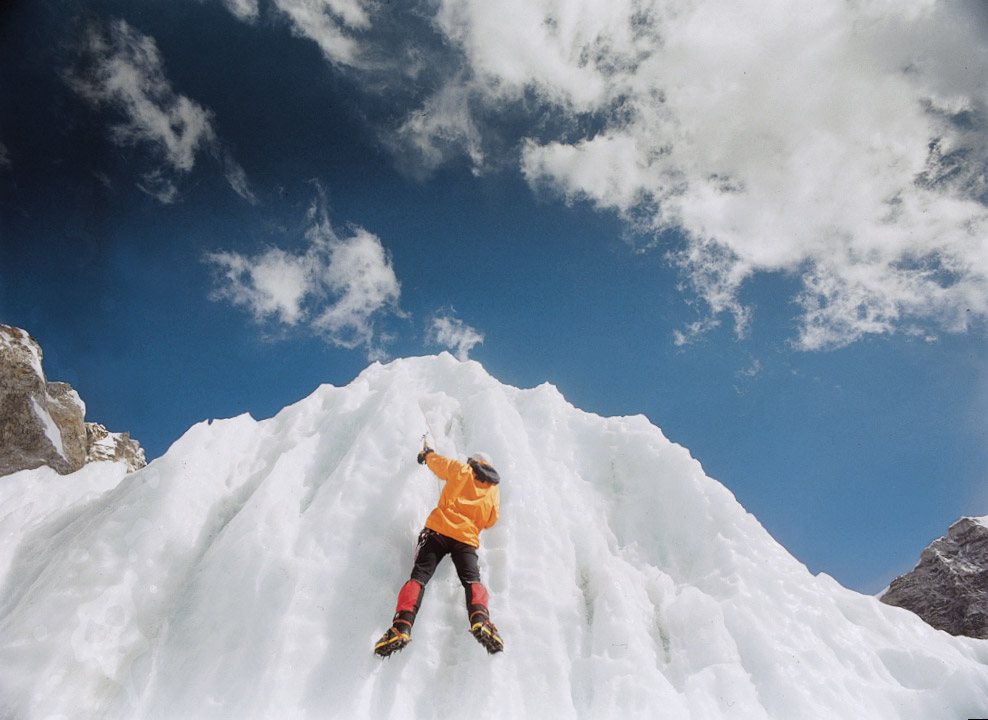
<point x="247" y="572"/>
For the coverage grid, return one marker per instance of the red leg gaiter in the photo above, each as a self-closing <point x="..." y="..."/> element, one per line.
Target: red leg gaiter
<point x="409" y="598"/>
<point x="477" y="598"/>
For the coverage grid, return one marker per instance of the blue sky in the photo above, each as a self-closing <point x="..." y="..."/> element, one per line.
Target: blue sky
<point x="763" y="227"/>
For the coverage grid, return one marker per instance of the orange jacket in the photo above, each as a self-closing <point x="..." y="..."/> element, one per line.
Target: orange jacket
<point x="466" y="505"/>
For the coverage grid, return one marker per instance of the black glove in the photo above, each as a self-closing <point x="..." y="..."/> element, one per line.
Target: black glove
<point x="423" y="455"/>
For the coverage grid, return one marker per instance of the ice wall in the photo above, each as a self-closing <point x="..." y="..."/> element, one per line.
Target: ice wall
<point x="248" y="571"/>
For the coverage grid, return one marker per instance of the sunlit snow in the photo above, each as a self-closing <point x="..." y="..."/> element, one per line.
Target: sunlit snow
<point x="52" y="432"/>
<point x="248" y="572"/>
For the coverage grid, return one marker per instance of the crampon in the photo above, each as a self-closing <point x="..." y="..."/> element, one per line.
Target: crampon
<point x="486" y="635"/>
<point x="392" y="641"/>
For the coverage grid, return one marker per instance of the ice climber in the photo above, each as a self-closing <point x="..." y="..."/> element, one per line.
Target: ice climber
<point x="468" y="504"/>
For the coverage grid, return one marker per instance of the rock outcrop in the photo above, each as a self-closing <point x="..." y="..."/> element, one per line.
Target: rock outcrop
<point x="949" y="586"/>
<point x="101" y="444"/>
<point x="43" y="423"/>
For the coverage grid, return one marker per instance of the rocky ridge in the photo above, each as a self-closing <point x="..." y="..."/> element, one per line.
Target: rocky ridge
<point x="949" y="586"/>
<point x="43" y="423"/>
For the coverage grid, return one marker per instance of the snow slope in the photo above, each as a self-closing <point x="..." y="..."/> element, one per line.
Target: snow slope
<point x="248" y="571"/>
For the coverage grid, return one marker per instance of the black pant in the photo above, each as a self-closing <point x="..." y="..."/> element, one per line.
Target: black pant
<point x="432" y="547"/>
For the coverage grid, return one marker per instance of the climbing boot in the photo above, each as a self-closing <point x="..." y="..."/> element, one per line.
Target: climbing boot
<point x="485" y="632"/>
<point x="396" y="638"/>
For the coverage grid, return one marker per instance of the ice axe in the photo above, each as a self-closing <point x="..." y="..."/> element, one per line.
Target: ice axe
<point x="425" y="440"/>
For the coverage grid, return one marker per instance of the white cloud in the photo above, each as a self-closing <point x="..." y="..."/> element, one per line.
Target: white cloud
<point x="123" y="69"/>
<point x="552" y="47"/>
<point x="330" y="24"/>
<point x="360" y="276"/>
<point x="272" y="284"/>
<point x="844" y="144"/>
<point x="159" y="186"/>
<point x="452" y="333"/>
<point x="128" y="72"/>
<point x="445" y="122"/>
<point x="5" y="161"/>
<point x="336" y="288"/>
<point x="243" y="9"/>
<point x="237" y="177"/>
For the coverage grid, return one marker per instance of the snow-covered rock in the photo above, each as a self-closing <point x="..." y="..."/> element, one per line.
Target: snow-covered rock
<point x="43" y="423"/>
<point x="248" y="571"/>
<point x="949" y="586"/>
<point x="103" y="445"/>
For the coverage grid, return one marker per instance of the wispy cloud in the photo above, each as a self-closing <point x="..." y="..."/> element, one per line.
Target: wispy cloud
<point x="453" y="334"/>
<point x="160" y="185"/>
<point x="237" y="177"/>
<point x="445" y="124"/>
<point x="243" y="9"/>
<point x="122" y="69"/>
<point x="331" y="24"/>
<point x="336" y="288"/>
<point x="125" y="71"/>
<point x="744" y="378"/>
<point x="5" y="161"/>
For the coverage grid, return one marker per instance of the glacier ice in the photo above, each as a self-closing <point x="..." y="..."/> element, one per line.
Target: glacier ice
<point x="247" y="572"/>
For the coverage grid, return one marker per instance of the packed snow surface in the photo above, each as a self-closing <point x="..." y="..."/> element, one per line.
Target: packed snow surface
<point x="248" y="572"/>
